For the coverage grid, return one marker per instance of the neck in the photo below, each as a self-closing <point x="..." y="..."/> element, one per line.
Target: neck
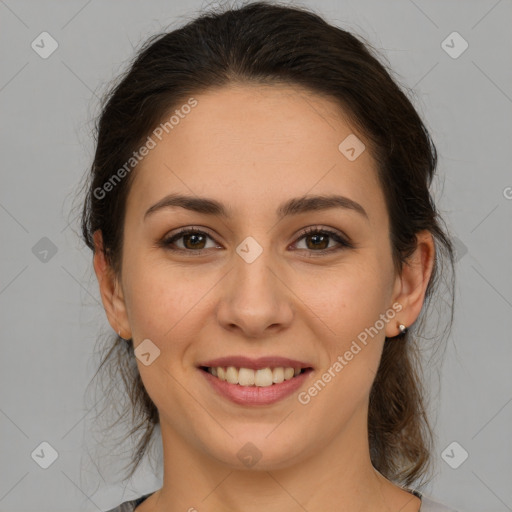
<point x="336" y="475"/>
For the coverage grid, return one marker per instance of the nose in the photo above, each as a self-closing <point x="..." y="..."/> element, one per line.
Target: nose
<point x="255" y="300"/>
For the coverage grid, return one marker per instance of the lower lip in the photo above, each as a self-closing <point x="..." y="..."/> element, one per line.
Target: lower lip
<point x="256" y="395"/>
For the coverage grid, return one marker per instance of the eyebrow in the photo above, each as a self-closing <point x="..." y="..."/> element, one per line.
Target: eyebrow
<point x="293" y="206"/>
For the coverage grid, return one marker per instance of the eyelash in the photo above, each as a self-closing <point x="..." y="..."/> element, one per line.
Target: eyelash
<point x="167" y="242"/>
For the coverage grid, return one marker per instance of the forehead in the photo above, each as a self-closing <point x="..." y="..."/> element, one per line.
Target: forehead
<point x="256" y="142"/>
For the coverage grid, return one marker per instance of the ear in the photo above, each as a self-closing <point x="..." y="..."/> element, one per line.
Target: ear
<point x="111" y="293"/>
<point x="411" y="285"/>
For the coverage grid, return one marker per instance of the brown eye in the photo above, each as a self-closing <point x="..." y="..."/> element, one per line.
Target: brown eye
<point x="193" y="240"/>
<point x="317" y="240"/>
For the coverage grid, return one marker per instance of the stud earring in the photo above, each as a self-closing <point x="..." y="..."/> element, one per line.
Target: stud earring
<point x="119" y="334"/>
<point x="403" y="328"/>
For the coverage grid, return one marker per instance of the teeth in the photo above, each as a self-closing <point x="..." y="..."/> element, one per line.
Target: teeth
<point x="232" y="375"/>
<point x="288" y="373"/>
<point x="262" y="377"/>
<point x="248" y="377"/>
<point x="278" y="375"/>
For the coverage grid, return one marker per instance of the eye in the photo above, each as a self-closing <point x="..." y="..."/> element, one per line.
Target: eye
<point x="193" y="241"/>
<point x="319" y="238"/>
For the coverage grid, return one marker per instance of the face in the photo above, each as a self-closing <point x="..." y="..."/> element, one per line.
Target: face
<point x="259" y="281"/>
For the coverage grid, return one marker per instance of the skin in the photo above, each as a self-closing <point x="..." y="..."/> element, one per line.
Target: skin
<point x="252" y="148"/>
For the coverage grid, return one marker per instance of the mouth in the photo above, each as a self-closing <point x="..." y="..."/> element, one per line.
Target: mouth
<point x="263" y="377"/>
<point x="255" y="382"/>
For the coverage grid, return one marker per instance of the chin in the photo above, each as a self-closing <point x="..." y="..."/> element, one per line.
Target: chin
<point x="258" y="452"/>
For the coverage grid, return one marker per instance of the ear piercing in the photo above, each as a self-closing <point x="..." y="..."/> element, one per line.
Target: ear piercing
<point x="124" y="339"/>
<point x="403" y="328"/>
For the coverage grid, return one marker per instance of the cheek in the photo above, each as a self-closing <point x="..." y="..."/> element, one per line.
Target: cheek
<point x="347" y="301"/>
<point x="352" y="309"/>
<point x="162" y="301"/>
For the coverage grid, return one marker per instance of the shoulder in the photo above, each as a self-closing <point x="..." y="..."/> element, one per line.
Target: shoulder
<point x="129" y="506"/>
<point x="429" y="505"/>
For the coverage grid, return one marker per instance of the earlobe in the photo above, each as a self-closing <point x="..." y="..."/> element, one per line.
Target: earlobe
<point x="111" y="293"/>
<point x="411" y="284"/>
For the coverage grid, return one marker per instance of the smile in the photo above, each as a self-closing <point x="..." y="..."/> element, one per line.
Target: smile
<point x="263" y="377"/>
<point x="255" y="387"/>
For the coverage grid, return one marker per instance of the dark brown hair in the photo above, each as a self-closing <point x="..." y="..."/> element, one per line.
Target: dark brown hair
<point x="262" y="43"/>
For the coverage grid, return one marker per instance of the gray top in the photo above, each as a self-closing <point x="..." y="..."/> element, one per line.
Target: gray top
<point x="427" y="505"/>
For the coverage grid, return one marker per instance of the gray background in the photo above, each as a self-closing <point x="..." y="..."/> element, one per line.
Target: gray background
<point x="50" y="314"/>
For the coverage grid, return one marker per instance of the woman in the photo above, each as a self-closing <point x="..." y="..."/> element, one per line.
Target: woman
<point x="266" y="246"/>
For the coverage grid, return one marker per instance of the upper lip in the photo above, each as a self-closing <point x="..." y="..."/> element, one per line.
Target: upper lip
<point x="255" y="364"/>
